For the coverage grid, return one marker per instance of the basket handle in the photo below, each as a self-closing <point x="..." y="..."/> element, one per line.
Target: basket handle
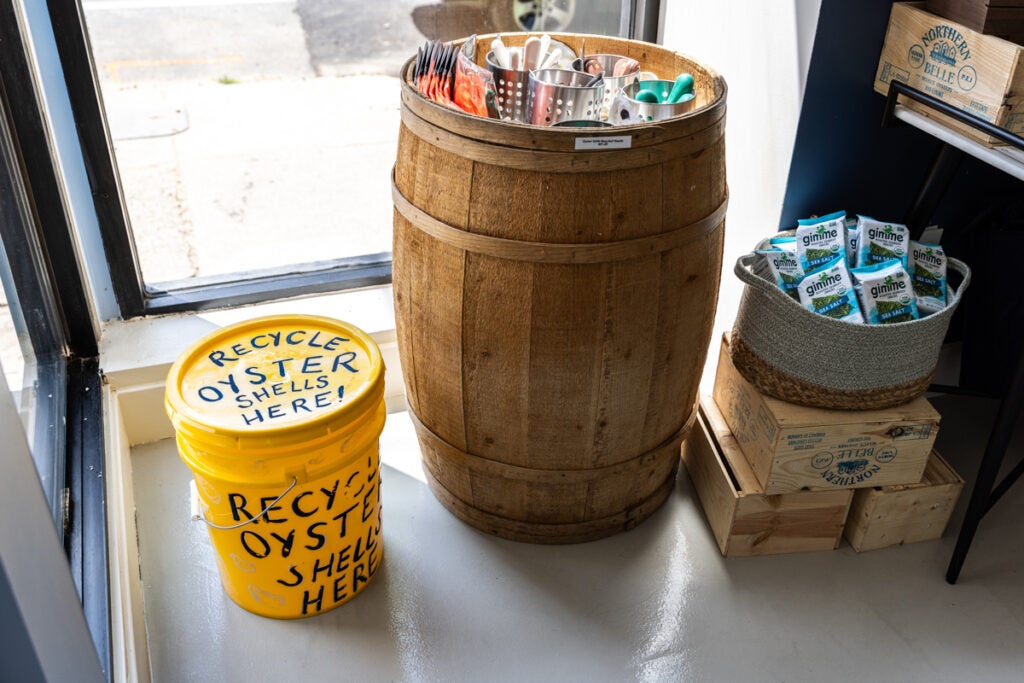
<point x="962" y="268"/>
<point x="743" y="272"/>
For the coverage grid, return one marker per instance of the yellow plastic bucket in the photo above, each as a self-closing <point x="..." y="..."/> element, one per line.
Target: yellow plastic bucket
<point x="279" y="419"/>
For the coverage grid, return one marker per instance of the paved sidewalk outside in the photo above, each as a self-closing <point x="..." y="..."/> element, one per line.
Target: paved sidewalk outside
<point x="255" y="175"/>
<point x="252" y="135"/>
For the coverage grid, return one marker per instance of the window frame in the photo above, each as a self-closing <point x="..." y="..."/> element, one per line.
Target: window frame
<point x="38" y="238"/>
<point x="35" y="316"/>
<point x="135" y="297"/>
<point x="41" y="177"/>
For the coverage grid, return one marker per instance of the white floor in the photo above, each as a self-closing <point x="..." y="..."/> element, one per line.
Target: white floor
<point x="658" y="603"/>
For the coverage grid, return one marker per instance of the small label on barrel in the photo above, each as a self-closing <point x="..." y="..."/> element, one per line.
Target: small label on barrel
<point x="605" y="142"/>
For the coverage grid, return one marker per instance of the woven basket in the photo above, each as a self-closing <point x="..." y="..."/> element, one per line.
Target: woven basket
<point x="802" y="357"/>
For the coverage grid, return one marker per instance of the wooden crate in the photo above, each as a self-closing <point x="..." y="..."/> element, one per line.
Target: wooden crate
<point x="892" y="515"/>
<point x="744" y="520"/>
<point x="1002" y="18"/>
<point x="982" y="75"/>
<point x="792" y="447"/>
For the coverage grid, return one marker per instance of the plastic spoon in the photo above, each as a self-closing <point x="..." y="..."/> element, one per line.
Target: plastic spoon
<point x="531" y="53"/>
<point x="682" y="86"/>
<point x="545" y="45"/>
<point x="648" y="96"/>
<point x="625" y="66"/>
<point x="552" y="59"/>
<point x="501" y="53"/>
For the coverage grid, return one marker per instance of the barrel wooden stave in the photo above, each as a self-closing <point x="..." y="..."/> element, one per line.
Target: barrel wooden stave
<point x="547" y="497"/>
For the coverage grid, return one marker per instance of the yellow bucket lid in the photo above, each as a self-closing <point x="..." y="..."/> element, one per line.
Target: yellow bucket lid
<point x="275" y="379"/>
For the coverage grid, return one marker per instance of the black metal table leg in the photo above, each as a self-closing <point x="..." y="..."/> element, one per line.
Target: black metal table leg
<point x="995" y="450"/>
<point x="940" y="175"/>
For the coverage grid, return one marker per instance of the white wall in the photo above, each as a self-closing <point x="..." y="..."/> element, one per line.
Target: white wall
<point x="762" y="50"/>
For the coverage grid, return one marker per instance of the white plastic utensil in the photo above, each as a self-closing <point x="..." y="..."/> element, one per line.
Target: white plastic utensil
<point x="501" y="55"/>
<point x="531" y="53"/>
<point x="552" y="59"/>
<point x="545" y="45"/>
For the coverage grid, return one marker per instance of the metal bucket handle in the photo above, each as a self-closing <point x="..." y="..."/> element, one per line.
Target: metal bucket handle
<point x="295" y="481"/>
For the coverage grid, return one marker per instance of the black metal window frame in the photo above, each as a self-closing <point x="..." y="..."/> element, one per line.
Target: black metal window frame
<point x="49" y="285"/>
<point x="34" y="311"/>
<point x="641" y="19"/>
<point x="134" y="297"/>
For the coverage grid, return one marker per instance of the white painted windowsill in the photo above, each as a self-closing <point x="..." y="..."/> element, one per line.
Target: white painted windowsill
<point x="135" y="356"/>
<point x="450" y="603"/>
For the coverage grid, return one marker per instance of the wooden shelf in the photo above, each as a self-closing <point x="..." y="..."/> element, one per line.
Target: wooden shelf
<point x="1006" y="159"/>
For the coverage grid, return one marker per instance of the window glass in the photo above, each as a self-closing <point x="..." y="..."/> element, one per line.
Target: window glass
<point x="12" y="337"/>
<point x="36" y="382"/>
<point x="254" y="134"/>
<point x="31" y="347"/>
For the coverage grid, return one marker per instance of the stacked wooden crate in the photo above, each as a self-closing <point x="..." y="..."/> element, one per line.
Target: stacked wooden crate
<point x="1002" y="18"/>
<point x="775" y="477"/>
<point x="982" y="75"/>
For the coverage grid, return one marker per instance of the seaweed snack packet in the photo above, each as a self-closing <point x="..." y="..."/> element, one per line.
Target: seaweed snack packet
<point x="852" y="238"/>
<point x="829" y="291"/>
<point x="820" y="240"/>
<point x="886" y="293"/>
<point x="785" y="269"/>
<point x="928" y="275"/>
<point x="880" y="242"/>
<point x="784" y="242"/>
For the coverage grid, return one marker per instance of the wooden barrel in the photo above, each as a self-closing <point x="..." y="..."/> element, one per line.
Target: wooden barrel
<point x="554" y="300"/>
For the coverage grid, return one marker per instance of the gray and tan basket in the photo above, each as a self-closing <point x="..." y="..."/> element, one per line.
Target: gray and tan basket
<point x="802" y="357"/>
